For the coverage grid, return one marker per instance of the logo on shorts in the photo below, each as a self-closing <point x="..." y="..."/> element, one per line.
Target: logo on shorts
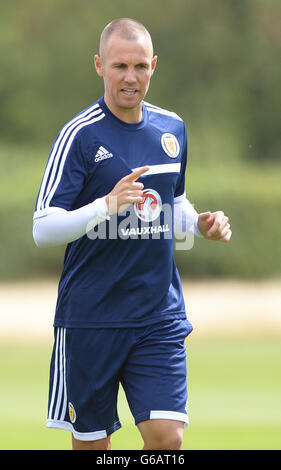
<point x="71" y="411"/>
<point x="150" y="207"/>
<point x="170" y="145"/>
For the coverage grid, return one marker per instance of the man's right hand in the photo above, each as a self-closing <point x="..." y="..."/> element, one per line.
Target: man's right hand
<point x="126" y="192"/>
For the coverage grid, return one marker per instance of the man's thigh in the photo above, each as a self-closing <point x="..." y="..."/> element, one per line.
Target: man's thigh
<point x="84" y="381"/>
<point x="154" y="376"/>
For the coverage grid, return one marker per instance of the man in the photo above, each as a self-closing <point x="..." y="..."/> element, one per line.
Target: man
<point x="120" y="315"/>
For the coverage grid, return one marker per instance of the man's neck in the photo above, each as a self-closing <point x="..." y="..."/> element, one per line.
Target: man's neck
<point x="128" y="115"/>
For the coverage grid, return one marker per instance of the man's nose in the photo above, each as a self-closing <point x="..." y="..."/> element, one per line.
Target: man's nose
<point x="130" y="76"/>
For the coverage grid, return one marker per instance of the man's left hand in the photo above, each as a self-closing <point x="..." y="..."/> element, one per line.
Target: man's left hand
<point x="214" y="226"/>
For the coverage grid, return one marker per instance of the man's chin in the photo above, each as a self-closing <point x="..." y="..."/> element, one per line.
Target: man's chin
<point x="130" y="102"/>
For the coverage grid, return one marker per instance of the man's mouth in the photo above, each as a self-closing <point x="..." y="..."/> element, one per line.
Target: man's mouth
<point x="129" y="91"/>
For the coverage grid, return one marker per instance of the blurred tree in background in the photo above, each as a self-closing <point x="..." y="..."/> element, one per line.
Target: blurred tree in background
<point x="218" y="68"/>
<point x="219" y="65"/>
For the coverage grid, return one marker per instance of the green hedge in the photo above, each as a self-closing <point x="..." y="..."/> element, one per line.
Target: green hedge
<point x="254" y="249"/>
<point x="249" y="195"/>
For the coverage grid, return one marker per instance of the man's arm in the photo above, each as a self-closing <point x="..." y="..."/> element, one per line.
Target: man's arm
<point x="58" y="226"/>
<point x="185" y="217"/>
<point x="210" y="225"/>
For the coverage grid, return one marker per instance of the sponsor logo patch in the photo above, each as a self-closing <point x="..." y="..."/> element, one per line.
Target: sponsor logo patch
<point x="150" y="207"/>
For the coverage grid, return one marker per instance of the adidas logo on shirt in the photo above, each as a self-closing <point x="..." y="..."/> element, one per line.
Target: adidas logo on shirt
<point x="102" y="154"/>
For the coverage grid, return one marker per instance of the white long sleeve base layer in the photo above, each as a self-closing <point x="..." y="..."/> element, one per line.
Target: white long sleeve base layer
<point x="185" y="217"/>
<point x="58" y="226"/>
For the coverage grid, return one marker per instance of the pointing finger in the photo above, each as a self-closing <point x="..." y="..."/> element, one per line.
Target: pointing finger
<point x="136" y="173"/>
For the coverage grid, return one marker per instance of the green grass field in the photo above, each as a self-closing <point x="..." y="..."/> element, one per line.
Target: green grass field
<point x="234" y="397"/>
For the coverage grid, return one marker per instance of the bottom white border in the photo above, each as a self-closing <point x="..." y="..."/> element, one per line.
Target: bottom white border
<point x="81" y="436"/>
<point x="94" y="436"/>
<point x="174" y="415"/>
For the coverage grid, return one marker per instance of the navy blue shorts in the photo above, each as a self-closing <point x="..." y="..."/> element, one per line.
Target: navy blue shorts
<point x="88" y="365"/>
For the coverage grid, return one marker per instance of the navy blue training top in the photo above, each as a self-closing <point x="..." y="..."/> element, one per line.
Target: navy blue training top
<point x="122" y="273"/>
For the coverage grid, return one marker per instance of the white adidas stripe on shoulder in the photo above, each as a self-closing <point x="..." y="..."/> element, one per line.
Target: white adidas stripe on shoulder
<point x="57" y="150"/>
<point x="156" y="109"/>
<point x="53" y="154"/>
<point x="49" y="196"/>
<point x="58" y="156"/>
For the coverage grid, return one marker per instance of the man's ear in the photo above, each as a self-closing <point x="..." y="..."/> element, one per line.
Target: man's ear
<point x="98" y="65"/>
<point x="153" y="64"/>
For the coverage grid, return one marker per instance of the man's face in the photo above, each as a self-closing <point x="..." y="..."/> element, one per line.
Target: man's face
<point x="126" y="67"/>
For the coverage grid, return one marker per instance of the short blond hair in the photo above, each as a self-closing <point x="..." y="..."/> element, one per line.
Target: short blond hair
<point x="126" y="28"/>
